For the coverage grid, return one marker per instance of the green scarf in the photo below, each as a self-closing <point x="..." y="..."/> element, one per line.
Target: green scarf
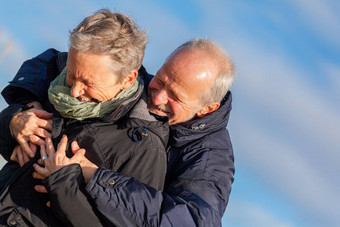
<point x="71" y="107"/>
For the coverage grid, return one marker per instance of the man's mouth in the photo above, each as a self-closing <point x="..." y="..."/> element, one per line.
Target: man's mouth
<point x="160" y="111"/>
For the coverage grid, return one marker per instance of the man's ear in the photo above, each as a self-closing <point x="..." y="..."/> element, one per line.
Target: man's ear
<point x="208" y="109"/>
<point x="130" y="79"/>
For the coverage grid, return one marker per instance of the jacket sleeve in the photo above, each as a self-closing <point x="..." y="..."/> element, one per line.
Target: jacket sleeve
<point x="7" y="142"/>
<point x="69" y="201"/>
<point x="193" y="197"/>
<point x="31" y="82"/>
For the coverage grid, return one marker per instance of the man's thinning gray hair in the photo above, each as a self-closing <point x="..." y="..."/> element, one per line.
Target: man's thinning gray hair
<point x="112" y="34"/>
<point x="224" y="65"/>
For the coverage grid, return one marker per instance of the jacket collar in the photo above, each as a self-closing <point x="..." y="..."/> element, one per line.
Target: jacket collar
<point x="183" y="133"/>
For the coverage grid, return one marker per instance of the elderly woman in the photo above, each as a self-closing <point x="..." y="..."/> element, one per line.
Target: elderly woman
<point x="98" y="100"/>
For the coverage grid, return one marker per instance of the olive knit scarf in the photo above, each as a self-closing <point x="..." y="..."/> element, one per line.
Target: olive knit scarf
<point x="71" y="107"/>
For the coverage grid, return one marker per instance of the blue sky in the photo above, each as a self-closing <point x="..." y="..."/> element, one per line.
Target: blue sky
<point x="285" y="119"/>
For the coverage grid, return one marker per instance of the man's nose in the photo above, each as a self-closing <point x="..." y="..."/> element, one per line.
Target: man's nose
<point x="77" y="89"/>
<point x="160" y="97"/>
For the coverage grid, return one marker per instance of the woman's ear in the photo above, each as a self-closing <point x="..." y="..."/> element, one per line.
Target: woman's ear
<point x="208" y="109"/>
<point x="130" y="79"/>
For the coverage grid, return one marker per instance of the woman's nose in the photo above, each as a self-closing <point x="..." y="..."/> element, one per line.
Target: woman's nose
<point x="77" y="89"/>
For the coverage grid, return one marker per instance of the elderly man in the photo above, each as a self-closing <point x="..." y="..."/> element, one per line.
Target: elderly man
<point x="191" y="88"/>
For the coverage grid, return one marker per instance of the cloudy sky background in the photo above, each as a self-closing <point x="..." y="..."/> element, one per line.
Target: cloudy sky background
<point x="286" y="99"/>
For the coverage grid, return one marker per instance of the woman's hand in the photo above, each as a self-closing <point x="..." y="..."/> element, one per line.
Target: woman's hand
<point x="55" y="160"/>
<point x="20" y="156"/>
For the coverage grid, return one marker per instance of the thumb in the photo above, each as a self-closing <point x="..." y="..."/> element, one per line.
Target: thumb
<point x="74" y="147"/>
<point x="42" y="114"/>
<point x="78" y="156"/>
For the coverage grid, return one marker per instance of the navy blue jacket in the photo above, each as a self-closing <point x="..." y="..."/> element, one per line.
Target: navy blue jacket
<point x="199" y="175"/>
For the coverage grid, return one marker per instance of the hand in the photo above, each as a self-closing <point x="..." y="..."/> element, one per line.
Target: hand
<point x="54" y="161"/>
<point x="29" y="126"/>
<point x="20" y="156"/>
<point x="42" y="189"/>
<point x="88" y="168"/>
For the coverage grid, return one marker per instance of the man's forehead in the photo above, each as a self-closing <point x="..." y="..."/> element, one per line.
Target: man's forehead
<point x="191" y="67"/>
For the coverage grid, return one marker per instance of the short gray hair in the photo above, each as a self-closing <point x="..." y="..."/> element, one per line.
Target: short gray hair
<point x="225" y="69"/>
<point x="113" y="34"/>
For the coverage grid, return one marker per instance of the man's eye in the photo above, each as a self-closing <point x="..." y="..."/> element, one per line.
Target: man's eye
<point x="173" y="96"/>
<point x="160" y="82"/>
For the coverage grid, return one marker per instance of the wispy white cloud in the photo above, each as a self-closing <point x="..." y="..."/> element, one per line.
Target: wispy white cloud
<point x="322" y="17"/>
<point x="245" y="214"/>
<point x="332" y="72"/>
<point x="287" y="170"/>
<point x="302" y="163"/>
<point x="12" y="53"/>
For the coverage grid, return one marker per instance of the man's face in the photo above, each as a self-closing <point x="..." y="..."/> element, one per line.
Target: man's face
<point x="174" y="91"/>
<point x="90" y="77"/>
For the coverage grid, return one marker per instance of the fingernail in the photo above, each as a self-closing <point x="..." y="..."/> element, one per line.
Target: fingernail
<point x="75" y="144"/>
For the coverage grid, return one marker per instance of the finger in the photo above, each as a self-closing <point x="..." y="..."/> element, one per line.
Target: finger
<point x="62" y="145"/>
<point x="36" y="140"/>
<point x="20" y="157"/>
<point x="40" y="170"/>
<point x="36" y="175"/>
<point x="14" y="157"/>
<point x="74" y="147"/>
<point x="42" y="151"/>
<point x="33" y="147"/>
<point x="78" y="156"/>
<point x="48" y="204"/>
<point x="25" y="157"/>
<point x="42" y="114"/>
<point x="40" y="188"/>
<point x="42" y="132"/>
<point x="27" y="149"/>
<point x="46" y="124"/>
<point x="49" y="147"/>
<point x="41" y="162"/>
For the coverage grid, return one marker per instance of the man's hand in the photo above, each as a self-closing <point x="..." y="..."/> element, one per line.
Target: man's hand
<point x="30" y="126"/>
<point x="88" y="168"/>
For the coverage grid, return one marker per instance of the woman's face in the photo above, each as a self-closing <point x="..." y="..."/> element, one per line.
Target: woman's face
<point x="90" y="77"/>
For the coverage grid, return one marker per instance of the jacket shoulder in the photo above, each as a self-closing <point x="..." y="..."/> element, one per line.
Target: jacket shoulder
<point x="32" y="78"/>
